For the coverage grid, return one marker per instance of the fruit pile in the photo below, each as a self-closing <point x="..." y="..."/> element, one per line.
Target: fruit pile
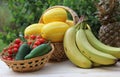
<point x="34" y="41"/>
<point x="84" y="50"/>
<point x="52" y="26"/>
<point x="34" y="46"/>
<point x="80" y="45"/>
<point x="12" y="49"/>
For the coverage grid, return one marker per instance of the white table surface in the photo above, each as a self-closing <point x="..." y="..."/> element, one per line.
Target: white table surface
<point x="63" y="69"/>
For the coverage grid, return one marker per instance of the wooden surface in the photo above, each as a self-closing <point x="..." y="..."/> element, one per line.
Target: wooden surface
<point x="63" y="69"/>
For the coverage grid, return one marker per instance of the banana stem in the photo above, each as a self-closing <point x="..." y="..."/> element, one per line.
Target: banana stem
<point x="82" y="23"/>
<point x="77" y="26"/>
<point x="80" y="20"/>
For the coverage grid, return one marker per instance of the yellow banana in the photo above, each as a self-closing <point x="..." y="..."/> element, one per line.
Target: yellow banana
<point x="100" y="46"/>
<point x="96" y="64"/>
<point x="90" y="52"/>
<point x="73" y="52"/>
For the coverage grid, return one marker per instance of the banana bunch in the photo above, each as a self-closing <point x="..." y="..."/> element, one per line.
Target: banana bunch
<point x="84" y="50"/>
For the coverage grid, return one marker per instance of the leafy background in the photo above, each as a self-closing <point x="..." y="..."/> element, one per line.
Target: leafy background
<point x="16" y="15"/>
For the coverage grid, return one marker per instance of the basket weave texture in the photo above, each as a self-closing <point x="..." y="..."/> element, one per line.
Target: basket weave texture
<point x="58" y="53"/>
<point x="29" y="65"/>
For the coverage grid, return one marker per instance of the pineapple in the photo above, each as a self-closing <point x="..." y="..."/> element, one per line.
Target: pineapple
<point x="109" y="16"/>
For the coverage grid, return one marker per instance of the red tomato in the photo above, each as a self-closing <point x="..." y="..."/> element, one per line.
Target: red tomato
<point x="42" y="40"/>
<point x="26" y="36"/>
<point x="38" y="40"/>
<point x="9" y="58"/>
<point x="34" y="46"/>
<point x="37" y="43"/>
<point x="10" y="51"/>
<point x="32" y="37"/>
<point x="17" y="41"/>
<point x="20" y="44"/>
<point x="16" y="46"/>
<point x="29" y="43"/>
<point x="38" y="37"/>
<point x="11" y="47"/>
<point x="15" y="50"/>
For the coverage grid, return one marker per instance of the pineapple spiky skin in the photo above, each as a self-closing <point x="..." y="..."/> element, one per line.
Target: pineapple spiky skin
<point x="109" y="16"/>
<point x="110" y="34"/>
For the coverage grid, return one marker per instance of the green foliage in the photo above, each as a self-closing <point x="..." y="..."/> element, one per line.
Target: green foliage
<point x="87" y="8"/>
<point x="2" y="45"/>
<point x="26" y="12"/>
<point x="9" y="35"/>
<point x="5" y="15"/>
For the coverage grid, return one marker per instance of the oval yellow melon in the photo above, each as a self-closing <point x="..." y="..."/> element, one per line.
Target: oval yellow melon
<point x="33" y="29"/>
<point x="55" y="14"/>
<point x="54" y="31"/>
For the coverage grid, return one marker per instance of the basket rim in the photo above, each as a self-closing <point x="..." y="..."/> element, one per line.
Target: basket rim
<point x="74" y="15"/>
<point x="49" y="53"/>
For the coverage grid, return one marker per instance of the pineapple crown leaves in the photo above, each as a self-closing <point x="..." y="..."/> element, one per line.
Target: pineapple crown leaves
<point x="108" y="11"/>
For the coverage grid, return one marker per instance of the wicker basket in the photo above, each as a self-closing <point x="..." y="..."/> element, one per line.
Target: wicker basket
<point x="29" y="65"/>
<point x="58" y="53"/>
